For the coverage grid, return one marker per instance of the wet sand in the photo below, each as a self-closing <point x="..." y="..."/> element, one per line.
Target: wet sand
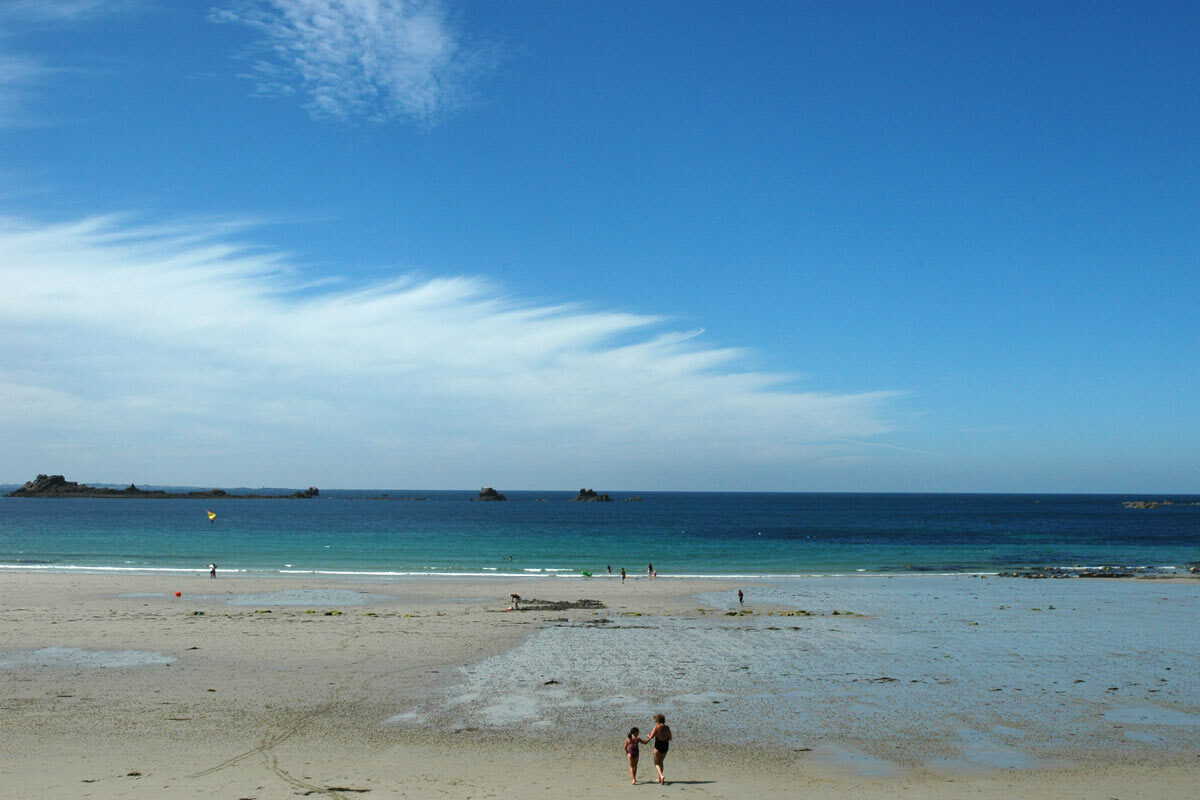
<point x="429" y="688"/>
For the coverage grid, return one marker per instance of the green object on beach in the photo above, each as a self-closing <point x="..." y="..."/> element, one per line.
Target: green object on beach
<point x="585" y="573"/>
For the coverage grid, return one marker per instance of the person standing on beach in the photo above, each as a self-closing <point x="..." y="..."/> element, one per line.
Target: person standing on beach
<point x="609" y="568"/>
<point x="741" y="598"/>
<point x="631" y="750"/>
<point x="661" y="734"/>
<point x="649" y="570"/>
<point x="622" y="574"/>
<point x="212" y="570"/>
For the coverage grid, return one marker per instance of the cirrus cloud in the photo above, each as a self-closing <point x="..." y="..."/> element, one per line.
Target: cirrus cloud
<point x="374" y="59"/>
<point x="175" y="353"/>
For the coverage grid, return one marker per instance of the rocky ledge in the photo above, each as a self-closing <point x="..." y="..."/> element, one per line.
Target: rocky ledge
<point x="532" y="604"/>
<point x="58" y="486"/>
<point x="1154" y="503"/>
<point x="487" y="493"/>
<point x="590" y="496"/>
<point x="1086" y="572"/>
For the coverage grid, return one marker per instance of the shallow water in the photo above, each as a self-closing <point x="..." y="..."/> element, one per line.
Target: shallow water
<point x="957" y="673"/>
<point x="283" y="597"/>
<point x="75" y="658"/>
<point x="307" y="597"/>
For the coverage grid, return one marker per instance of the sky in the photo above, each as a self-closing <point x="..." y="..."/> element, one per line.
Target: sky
<point x="851" y="246"/>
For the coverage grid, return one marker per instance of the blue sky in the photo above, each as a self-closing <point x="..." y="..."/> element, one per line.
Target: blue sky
<point x="777" y="246"/>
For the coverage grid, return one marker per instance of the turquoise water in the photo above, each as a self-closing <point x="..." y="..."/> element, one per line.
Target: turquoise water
<point x="545" y="534"/>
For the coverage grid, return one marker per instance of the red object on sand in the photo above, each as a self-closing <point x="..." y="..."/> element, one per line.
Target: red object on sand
<point x="179" y="594"/>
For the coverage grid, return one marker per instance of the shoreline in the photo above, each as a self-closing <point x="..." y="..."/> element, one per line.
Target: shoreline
<point x="254" y="703"/>
<point x="1139" y="573"/>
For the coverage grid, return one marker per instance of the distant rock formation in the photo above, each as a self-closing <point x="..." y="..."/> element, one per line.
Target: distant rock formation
<point x="637" y="499"/>
<point x="487" y="493"/>
<point x="1154" y="503"/>
<point x="46" y="484"/>
<point x="58" y="486"/>
<point x="1106" y="571"/>
<point x="590" y="496"/>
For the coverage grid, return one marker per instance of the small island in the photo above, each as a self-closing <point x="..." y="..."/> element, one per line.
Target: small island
<point x="590" y="496"/>
<point x="56" y="486"/>
<point x="488" y="494"/>
<point x="1154" y="503"/>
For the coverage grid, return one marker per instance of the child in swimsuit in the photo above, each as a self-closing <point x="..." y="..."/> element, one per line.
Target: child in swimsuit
<point x="631" y="750"/>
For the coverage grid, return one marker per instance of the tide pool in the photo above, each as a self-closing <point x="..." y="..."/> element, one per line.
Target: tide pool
<point x="955" y="673"/>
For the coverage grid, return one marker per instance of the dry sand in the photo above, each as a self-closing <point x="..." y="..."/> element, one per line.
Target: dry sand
<point x="291" y="703"/>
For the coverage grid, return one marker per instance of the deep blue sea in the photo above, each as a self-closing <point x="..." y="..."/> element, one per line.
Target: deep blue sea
<point x="542" y="533"/>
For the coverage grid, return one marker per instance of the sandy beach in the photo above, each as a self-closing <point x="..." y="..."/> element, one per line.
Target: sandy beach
<point x="274" y="687"/>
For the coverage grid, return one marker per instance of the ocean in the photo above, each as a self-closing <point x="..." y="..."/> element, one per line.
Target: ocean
<point x="543" y="534"/>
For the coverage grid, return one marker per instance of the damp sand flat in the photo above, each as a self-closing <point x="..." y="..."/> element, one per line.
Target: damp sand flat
<point x="951" y="672"/>
<point x="429" y="694"/>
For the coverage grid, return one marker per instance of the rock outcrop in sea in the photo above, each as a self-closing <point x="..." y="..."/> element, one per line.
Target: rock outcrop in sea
<point x="1107" y="571"/>
<point x="590" y="496"/>
<point x="487" y="493"/>
<point x="57" y="486"/>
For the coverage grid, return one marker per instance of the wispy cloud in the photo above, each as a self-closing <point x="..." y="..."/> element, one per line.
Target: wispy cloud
<point x="19" y="75"/>
<point x="175" y="352"/>
<point x="58" y="10"/>
<point x="22" y="77"/>
<point x="373" y="59"/>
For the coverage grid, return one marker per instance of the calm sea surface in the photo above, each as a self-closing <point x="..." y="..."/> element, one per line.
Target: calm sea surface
<point x="544" y="533"/>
